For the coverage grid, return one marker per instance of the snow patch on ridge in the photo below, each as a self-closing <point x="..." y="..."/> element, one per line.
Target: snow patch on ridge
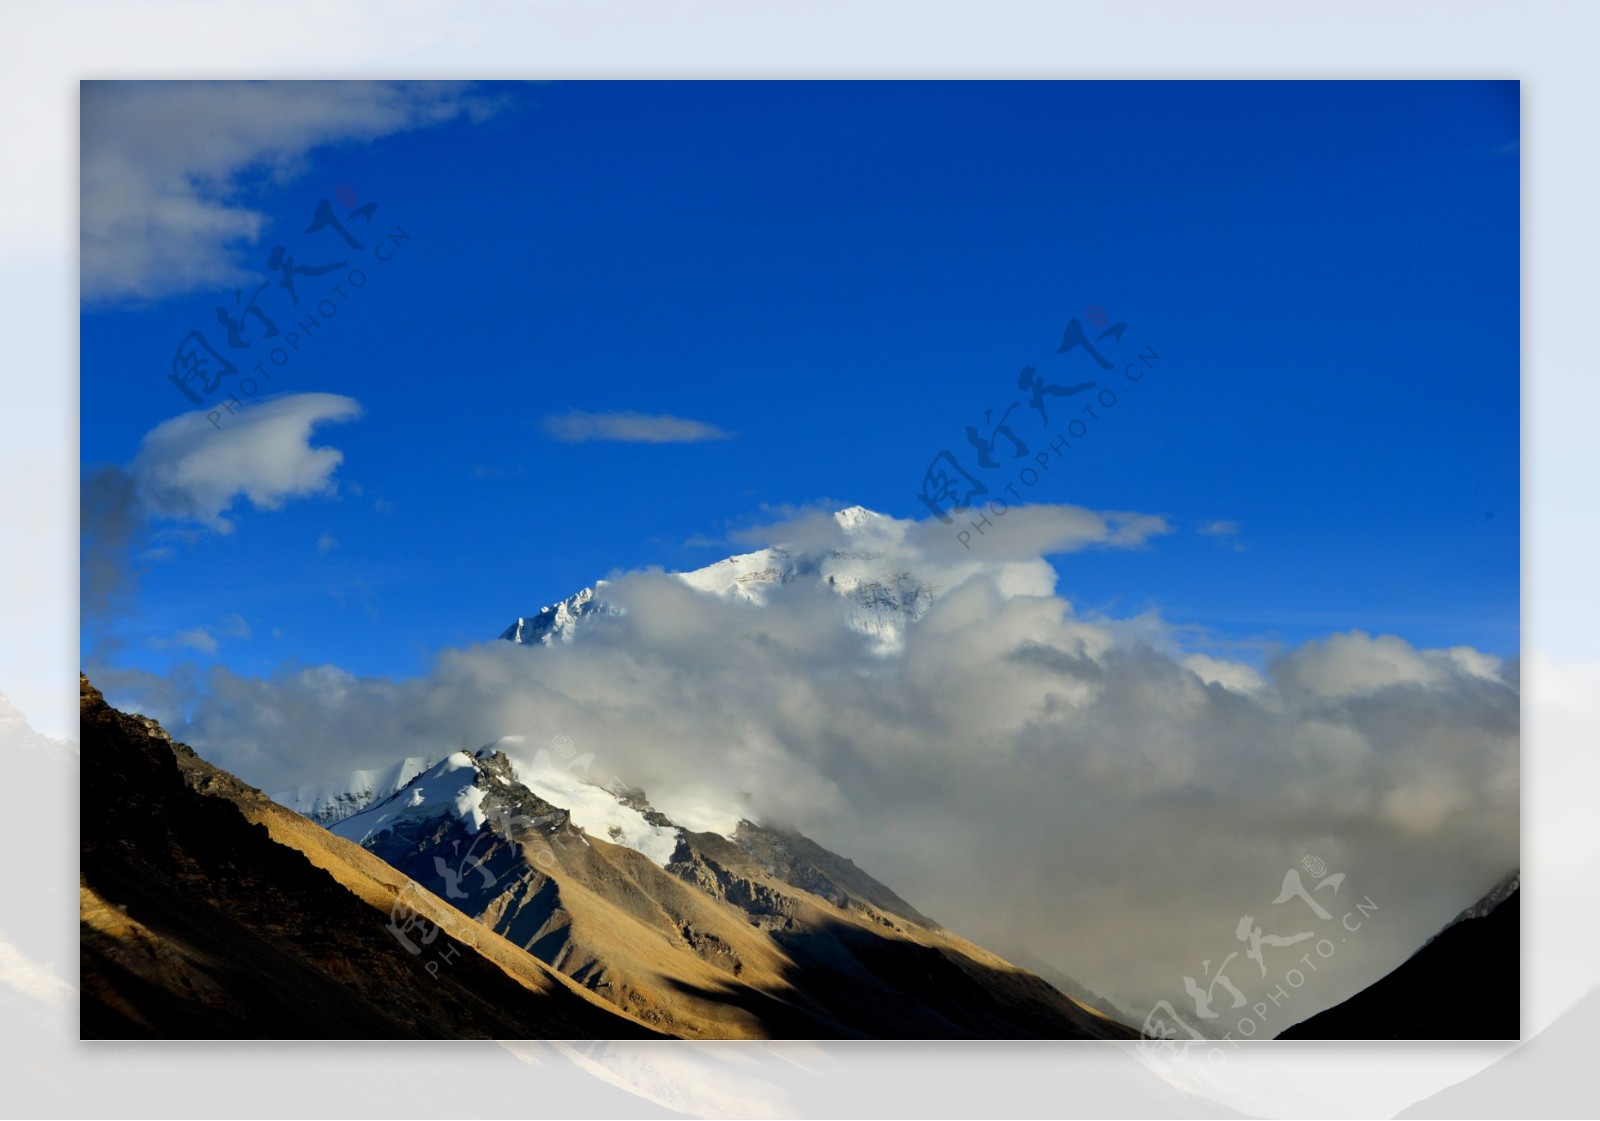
<point x="596" y="810"/>
<point x="336" y="799"/>
<point x="455" y="787"/>
<point x="450" y="786"/>
<point x="871" y="573"/>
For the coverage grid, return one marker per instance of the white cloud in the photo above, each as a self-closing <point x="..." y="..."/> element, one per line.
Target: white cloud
<point x="1020" y="537"/>
<point x="204" y="639"/>
<point x="630" y="428"/>
<point x="1346" y="665"/>
<point x="1475" y="662"/>
<point x="1230" y="675"/>
<point x="192" y="469"/>
<point x="1058" y="789"/>
<point x="327" y="543"/>
<point x="161" y="207"/>
<point x="1222" y="534"/>
<point x="234" y="626"/>
<point x="1039" y="530"/>
<point x="196" y="639"/>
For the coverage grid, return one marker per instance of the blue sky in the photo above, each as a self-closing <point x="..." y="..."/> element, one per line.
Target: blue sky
<point x="843" y="276"/>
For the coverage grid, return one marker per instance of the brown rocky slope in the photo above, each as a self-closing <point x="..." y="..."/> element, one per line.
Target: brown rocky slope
<point x="761" y="934"/>
<point x="208" y="911"/>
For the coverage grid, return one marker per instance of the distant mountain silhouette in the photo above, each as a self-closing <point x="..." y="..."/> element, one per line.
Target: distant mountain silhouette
<point x="1464" y="983"/>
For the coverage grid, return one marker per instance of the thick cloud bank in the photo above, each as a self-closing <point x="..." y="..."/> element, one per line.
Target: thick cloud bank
<point x="1081" y="793"/>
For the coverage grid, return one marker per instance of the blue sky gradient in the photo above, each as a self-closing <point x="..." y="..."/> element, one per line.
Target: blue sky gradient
<point x="843" y="276"/>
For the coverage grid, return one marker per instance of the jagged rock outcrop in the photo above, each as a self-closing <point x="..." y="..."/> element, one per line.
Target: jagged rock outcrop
<point x="208" y="911"/>
<point x="764" y="933"/>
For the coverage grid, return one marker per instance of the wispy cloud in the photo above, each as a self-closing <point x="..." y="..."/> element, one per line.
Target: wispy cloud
<point x="631" y="428"/>
<point x="1027" y="534"/>
<point x="164" y="164"/>
<point x="189" y="469"/>
<point x="204" y="639"/>
<point x="234" y="626"/>
<point x="196" y="638"/>
<point x="1223" y="534"/>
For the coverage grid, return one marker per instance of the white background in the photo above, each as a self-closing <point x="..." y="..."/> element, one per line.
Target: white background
<point x="47" y="48"/>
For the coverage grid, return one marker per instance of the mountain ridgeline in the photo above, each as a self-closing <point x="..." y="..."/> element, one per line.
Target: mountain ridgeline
<point x="489" y="894"/>
<point x="474" y="907"/>
<point x="207" y="911"/>
<point x="867" y="570"/>
<point x="1464" y="983"/>
<point x="762" y="933"/>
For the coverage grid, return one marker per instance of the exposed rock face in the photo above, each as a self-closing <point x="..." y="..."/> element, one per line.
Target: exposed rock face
<point x="797" y="860"/>
<point x="208" y="911"/>
<point x="761" y="934"/>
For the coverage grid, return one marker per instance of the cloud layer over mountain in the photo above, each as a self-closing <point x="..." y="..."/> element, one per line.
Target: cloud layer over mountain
<point x="1083" y="792"/>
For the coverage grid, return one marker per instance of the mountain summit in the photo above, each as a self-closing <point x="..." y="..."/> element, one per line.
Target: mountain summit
<point x="332" y="801"/>
<point x="865" y="565"/>
<point x="757" y="933"/>
<point x="208" y="912"/>
<point x="697" y="919"/>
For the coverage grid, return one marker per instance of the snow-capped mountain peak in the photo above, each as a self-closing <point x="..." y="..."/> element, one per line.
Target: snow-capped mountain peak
<point x="881" y="595"/>
<point x="855" y="517"/>
<point x="483" y="786"/>
<point x="555" y="623"/>
<point x="337" y="799"/>
<point x="449" y="786"/>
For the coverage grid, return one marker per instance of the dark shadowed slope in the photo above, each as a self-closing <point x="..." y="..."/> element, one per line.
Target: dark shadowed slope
<point x="1463" y="984"/>
<point x="209" y="911"/>
<point x="760" y="934"/>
